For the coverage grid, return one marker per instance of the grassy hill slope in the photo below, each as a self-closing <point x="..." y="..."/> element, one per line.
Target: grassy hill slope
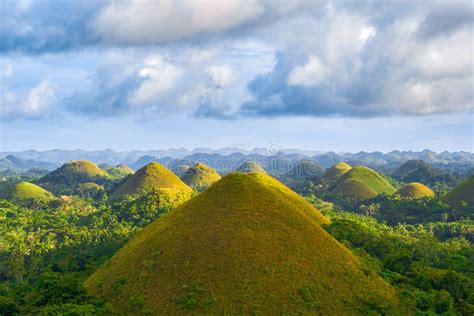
<point x="200" y="176"/>
<point x="415" y="190"/>
<point x="247" y="245"/>
<point x="361" y="183"/>
<point x="25" y="191"/>
<point x="68" y="176"/>
<point x="335" y="172"/>
<point x="153" y="176"/>
<point x="463" y="192"/>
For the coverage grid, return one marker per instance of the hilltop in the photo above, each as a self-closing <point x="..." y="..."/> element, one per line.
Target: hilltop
<point x="247" y="245"/>
<point x="200" y="176"/>
<point x="153" y="176"/>
<point x="463" y="192"/>
<point x="67" y="178"/>
<point x="26" y="191"/>
<point x="415" y="190"/>
<point x="332" y="175"/>
<point x="249" y="167"/>
<point x="361" y="183"/>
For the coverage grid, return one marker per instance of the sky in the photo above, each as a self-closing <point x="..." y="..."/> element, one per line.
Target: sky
<point x="321" y="75"/>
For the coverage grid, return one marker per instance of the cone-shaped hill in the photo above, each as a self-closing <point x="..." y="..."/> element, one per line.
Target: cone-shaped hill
<point x="26" y="191"/>
<point x="463" y="192"/>
<point x="335" y="172"/>
<point x="200" y="176"/>
<point x="248" y="244"/>
<point x="71" y="174"/>
<point x="415" y="190"/>
<point x="361" y="183"/>
<point x="249" y="167"/>
<point x="153" y="176"/>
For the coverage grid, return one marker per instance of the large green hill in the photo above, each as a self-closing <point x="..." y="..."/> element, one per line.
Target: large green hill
<point x="361" y="183"/>
<point x="200" y="176"/>
<point x="463" y="192"/>
<point x="153" y="176"/>
<point x="26" y="191"/>
<point x="247" y="245"/>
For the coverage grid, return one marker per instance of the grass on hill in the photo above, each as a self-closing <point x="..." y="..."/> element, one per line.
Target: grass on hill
<point x="26" y="191"/>
<point x="415" y="190"/>
<point x="249" y="167"/>
<point x="360" y="183"/>
<point x="463" y="192"/>
<point x="335" y="172"/>
<point x="200" y="176"/>
<point x="370" y="177"/>
<point x="73" y="172"/>
<point x="247" y="245"/>
<point x="354" y="191"/>
<point x="153" y="176"/>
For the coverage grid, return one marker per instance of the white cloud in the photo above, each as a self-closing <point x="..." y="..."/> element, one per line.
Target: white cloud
<point x="32" y="104"/>
<point x="167" y="20"/>
<point x="159" y="77"/>
<point x="221" y="76"/>
<point x="7" y="70"/>
<point x="311" y="74"/>
<point x="366" y="32"/>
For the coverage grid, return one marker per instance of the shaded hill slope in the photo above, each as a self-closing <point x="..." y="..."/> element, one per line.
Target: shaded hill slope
<point x="200" y="176"/>
<point x="463" y="192"/>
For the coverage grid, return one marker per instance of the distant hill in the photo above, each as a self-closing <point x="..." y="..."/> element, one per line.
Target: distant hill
<point x="120" y="171"/>
<point x="423" y="172"/>
<point x="415" y="190"/>
<point x="361" y="183"/>
<point x="27" y="192"/>
<point x="246" y="245"/>
<point x="13" y="164"/>
<point x="151" y="177"/>
<point x="463" y="192"/>
<point x="67" y="178"/>
<point x="200" y="176"/>
<point x="305" y="169"/>
<point x="249" y="167"/>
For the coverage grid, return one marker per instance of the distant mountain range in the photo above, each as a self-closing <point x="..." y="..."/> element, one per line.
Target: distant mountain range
<point x="228" y="159"/>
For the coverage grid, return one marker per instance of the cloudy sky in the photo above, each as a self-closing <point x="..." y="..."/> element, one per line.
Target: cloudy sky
<point x="325" y="75"/>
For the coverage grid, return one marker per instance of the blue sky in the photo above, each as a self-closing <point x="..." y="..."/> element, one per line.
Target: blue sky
<point x="325" y="75"/>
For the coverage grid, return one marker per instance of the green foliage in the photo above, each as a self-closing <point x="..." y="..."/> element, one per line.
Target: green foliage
<point x="393" y="210"/>
<point x="432" y="268"/>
